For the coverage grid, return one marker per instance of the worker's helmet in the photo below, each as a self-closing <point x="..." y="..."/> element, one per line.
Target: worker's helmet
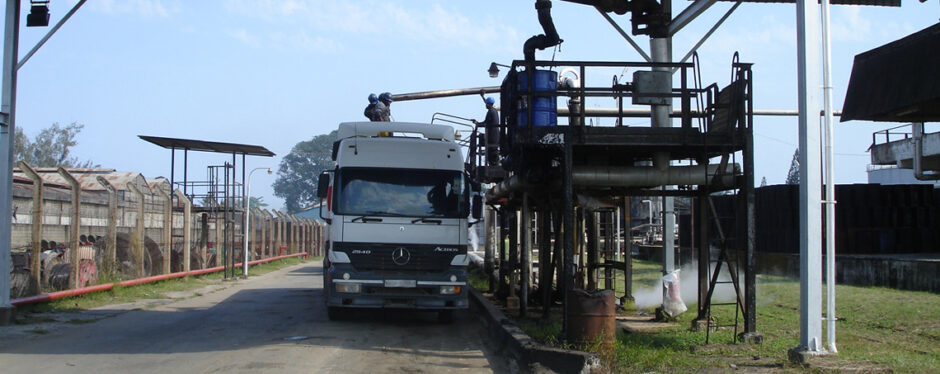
<point x="490" y="100"/>
<point x="385" y="97"/>
<point x="373" y="98"/>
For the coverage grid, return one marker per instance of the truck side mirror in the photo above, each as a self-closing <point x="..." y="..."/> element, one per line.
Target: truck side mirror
<point x="323" y="184"/>
<point x="477" y="209"/>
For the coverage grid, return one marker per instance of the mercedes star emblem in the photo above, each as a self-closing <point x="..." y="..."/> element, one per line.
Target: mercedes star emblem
<point x="400" y="256"/>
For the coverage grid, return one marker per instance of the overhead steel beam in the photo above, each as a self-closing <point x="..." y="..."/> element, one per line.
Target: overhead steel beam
<point x="688" y="14"/>
<point x="626" y="36"/>
<point x="710" y="32"/>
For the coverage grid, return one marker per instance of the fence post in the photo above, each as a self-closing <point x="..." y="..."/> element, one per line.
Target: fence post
<point x="138" y="245"/>
<point x="35" y="268"/>
<point x="111" y="243"/>
<point x="75" y="223"/>
<point x="277" y="232"/>
<point x="269" y="227"/>
<point x="167" y="229"/>
<point x="187" y="228"/>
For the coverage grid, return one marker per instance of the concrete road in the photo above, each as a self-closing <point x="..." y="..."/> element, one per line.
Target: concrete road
<point x="270" y="323"/>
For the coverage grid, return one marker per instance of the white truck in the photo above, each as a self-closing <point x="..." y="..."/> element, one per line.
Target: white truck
<point x="397" y="205"/>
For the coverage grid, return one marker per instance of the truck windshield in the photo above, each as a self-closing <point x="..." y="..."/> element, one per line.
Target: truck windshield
<point x="402" y="192"/>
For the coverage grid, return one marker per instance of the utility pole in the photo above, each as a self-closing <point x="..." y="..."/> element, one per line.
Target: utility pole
<point x="7" y="133"/>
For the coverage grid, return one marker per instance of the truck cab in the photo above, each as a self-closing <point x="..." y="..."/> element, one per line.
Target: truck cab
<point x="397" y="207"/>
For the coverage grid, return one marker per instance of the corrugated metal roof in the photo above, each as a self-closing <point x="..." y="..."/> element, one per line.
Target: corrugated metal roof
<point x="207" y="146"/>
<point x="897" y="82"/>
<point x="87" y="178"/>
<point x="159" y="183"/>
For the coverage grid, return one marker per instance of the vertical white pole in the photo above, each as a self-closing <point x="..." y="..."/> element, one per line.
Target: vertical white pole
<point x="810" y="183"/>
<point x="830" y="184"/>
<point x="247" y="215"/>
<point x="7" y="133"/>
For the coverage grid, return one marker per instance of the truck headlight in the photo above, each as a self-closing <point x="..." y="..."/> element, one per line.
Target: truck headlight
<point x="450" y="290"/>
<point x="348" y="287"/>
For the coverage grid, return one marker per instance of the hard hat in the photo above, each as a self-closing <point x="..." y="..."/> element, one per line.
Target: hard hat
<point x="386" y="97"/>
<point x="490" y="100"/>
<point x="373" y="98"/>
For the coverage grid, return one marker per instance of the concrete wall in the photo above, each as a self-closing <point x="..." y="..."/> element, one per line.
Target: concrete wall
<point x="903" y="272"/>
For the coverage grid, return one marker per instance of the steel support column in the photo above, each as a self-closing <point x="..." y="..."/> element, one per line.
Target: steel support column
<point x="810" y="180"/>
<point x="7" y="134"/>
<point x="567" y="207"/>
<point x="526" y="258"/>
<point x="187" y="227"/>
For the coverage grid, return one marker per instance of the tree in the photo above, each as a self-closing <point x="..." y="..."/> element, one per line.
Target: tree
<point x="299" y="170"/>
<point x="793" y="176"/>
<point x="50" y="148"/>
<point x="257" y="202"/>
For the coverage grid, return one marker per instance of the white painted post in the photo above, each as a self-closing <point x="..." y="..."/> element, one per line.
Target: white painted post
<point x="810" y="180"/>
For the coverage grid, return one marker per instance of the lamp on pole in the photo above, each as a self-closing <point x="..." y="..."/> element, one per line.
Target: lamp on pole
<point x="247" y="214"/>
<point x="494" y="69"/>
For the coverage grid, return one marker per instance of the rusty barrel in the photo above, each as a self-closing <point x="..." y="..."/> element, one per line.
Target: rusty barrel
<point x="592" y="317"/>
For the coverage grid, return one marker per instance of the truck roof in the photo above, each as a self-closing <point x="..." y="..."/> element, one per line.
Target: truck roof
<point x="372" y="129"/>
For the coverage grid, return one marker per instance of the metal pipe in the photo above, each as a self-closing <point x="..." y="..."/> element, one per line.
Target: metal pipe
<point x="444" y="93"/>
<point x="645" y="176"/>
<point x="107" y="286"/>
<point x="676" y="113"/>
<point x="549" y="39"/>
<point x="829" y="182"/>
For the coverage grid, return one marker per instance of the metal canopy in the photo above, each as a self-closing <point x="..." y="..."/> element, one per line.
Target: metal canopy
<point x="897" y="81"/>
<point x="207" y="146"/>
<point x="892" y="3"/>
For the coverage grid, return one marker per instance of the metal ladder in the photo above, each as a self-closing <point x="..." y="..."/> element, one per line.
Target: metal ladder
<point x="733" y="271"/>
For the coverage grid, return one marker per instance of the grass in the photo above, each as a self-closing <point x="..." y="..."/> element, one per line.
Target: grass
<point x="879" y="329"/>
<point x="156" y="290"/>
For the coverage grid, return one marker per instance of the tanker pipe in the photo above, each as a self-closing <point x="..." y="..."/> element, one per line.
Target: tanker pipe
<point x="626" y="176"/>
<point x="548" y="39"/>
<point x="646" y="176"/>
<point x="444" y="93"/>
<point x="504" y="188"/>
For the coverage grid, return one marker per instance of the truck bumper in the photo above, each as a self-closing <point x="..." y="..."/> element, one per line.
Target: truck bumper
<point x="400" y="291"/>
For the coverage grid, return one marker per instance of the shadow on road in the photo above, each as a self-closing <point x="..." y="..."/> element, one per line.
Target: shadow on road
<point x="277" y="312"/>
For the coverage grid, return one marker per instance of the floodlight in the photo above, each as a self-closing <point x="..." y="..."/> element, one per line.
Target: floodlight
<point x="38" y="14"/>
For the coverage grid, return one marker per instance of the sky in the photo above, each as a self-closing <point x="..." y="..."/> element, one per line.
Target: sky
<point x="275" y="73"/>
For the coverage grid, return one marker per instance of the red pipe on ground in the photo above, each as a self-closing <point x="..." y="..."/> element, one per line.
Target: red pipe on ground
<point x="133" y="282"/>
<point x="61" y="294"/>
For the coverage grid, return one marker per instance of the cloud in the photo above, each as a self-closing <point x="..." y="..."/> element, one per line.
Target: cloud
<point x="296" y="41"/>
<point x="848" y="24"/>
<point x="142" y="8"/>
<point x="244" y="37"/>
<point x="393" y="20"/>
